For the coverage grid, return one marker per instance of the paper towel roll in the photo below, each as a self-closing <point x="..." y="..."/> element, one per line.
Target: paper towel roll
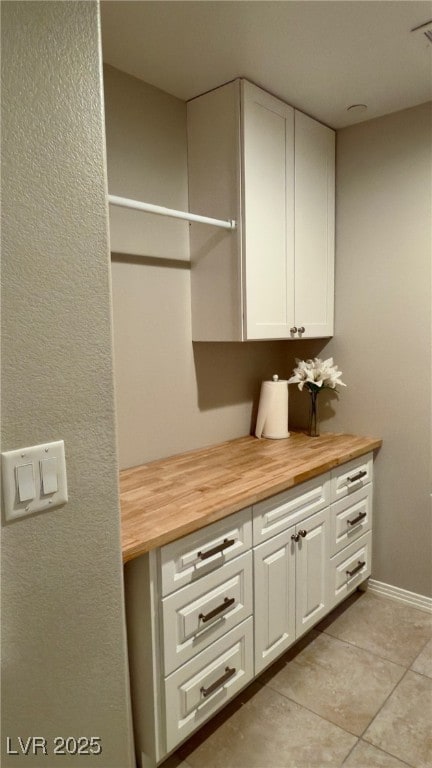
<point x="272" y="418"/>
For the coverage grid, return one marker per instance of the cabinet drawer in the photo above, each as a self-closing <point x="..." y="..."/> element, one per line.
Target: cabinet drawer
<point x="349" y="568"/>
<point x="202" y="686"/>
<point x="197" y="615"/>
<point x="188" y="559"/>
<point x="350" y="477"/>
<point x="350" y="518"/>
<point x="279" y="512"/>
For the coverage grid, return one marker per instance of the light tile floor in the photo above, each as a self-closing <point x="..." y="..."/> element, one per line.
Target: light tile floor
<point x="356" y="691"/>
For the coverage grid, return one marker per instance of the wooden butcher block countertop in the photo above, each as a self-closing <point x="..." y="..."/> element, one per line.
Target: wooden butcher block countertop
<point x="166" y="499"/>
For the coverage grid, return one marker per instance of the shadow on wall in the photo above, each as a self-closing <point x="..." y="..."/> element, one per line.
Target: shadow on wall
<point x="150" y="261"/>
<point x="230" y="373"/>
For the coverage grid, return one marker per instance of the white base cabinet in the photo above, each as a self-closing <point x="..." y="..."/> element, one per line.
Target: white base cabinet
<point x="209" y="612"/>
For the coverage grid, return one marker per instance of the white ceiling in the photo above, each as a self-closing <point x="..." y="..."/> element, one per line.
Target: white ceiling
<point x="319" y="56"/>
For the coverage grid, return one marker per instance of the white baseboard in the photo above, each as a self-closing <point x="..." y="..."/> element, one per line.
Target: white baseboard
<point x="421" y="602"/>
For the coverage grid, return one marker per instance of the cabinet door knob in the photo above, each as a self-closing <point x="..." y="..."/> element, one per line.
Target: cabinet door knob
<point x="301" y="329"/>
<point x="303" y="533"/>
<point x="295" y="537"/>
<point x="293" y="329"/>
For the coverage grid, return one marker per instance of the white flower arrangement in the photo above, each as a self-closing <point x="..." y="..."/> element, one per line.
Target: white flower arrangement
<point x="316" y="374"/>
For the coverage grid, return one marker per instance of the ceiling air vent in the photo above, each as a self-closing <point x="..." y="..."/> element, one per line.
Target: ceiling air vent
<point x="424" y="29"/>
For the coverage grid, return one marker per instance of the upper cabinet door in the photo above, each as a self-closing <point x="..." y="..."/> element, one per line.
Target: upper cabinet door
<point x="314" y="226"/>
<point x="268" y="214"/>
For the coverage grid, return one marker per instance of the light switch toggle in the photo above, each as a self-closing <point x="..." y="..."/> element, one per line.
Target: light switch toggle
<point x="25" y="482"/>
<point x="48" y="472"/>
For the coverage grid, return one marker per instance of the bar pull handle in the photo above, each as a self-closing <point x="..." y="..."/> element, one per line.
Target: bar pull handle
<point x="226" y="604"/>
<point x="219" y="548"/>
<point x="357" y="519"/>
<point x="358" y="568"/>
<point x="229" y="672"/>
<point x="358" y="476"/>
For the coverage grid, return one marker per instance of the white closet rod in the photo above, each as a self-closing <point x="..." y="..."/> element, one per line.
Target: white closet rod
<point x="124" y="202"/>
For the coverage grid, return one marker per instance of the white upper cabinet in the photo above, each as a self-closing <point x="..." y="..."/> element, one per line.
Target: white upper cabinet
<point x="254" y="159"/>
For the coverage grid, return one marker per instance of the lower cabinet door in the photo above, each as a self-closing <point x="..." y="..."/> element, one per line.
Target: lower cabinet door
<point x="199" y="688"/>
<point x="349" y="568"/>
<point x="274" y="600"/>
<point x="312" y="570"/>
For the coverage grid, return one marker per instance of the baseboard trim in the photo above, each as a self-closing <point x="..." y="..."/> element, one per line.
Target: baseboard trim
<point x="422" y="602"/>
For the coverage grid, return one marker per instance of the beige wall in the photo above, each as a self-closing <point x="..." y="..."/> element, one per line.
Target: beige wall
<point x="63" y="640"/>
<point x="172" y="395"/>
<point x="382" y="337"/>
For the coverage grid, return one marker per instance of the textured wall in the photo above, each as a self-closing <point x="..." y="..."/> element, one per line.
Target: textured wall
<point x="63" y="639"/>
<point x="382" y="336"/>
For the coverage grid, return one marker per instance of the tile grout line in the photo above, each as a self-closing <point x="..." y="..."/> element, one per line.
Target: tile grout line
<point x="312" y="711"/>
<point x="366" y="650"/>
<point x="407" y="669"/>
<point x="419" y="654"/>
<point x="351" y="750"/>
<point x="378" y="656"/>
<point x="380" y="749"/>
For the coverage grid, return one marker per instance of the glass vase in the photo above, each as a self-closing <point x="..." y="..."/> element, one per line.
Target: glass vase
<point x="313" y="427"/>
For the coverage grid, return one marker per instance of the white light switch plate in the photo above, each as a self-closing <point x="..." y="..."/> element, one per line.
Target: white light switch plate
<point x="37" y="475"/>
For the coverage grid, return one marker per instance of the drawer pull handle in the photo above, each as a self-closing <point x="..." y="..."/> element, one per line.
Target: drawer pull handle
<point x="219" y="548"/>
<point x="358" y="476"/>
<point x="358" y="568"/>
<point x="226" y="604"/>
<point x="357" y="519"/>
<point x="223" y="679"/>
